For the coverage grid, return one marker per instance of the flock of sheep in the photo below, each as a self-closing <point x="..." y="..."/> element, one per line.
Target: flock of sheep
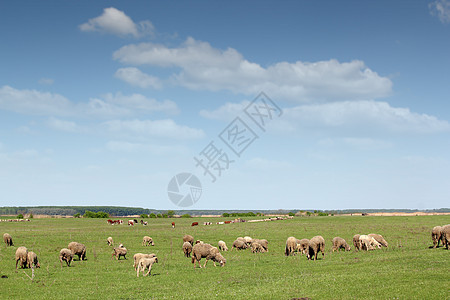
<point x="198" y="250"/>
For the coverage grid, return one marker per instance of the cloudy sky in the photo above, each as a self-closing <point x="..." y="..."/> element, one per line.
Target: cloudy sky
<point x="103" y="102"/>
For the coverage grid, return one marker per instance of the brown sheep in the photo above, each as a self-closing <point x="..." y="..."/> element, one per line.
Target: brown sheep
<point x="187" y="249"/>
<point x="147" y="241"/>
<point x="436" y="235"/>
<point x="209" y="252"/>
<point x="222" y="246"/>
<point x="78" y="249"/>
<point x="239" y="245"/>
<point x="316" y="244"/>
<point x="188" y="238"/>
<point x="291" y="246"/>
<point x="8" y="239"/>
<point x="109" y="240"/>
<point x="138" y="256"/>
<point x="445" y="233"/>
<point x="65" y="255"/>
<point x="340" y="243"/>
<point x="256" y="247"/>
<point x="118" y="252"/>
<point x="264" y="243"/>
<point x="379" y="238"/>
<point x="22" y="255"/>
<point x="32" y="260"/>
<point x="356" y="242"/>
<point x="302" y="246"/>
<point x="146" y="263"/>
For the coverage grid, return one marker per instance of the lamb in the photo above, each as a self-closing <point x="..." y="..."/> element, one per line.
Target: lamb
<point x="445" y="233"/>
<point x="33" y="260"/>
<point x="291" y="246"/>
<point x="109" y="240"/>
<point x="316" y="244"/>
<point x="239" y="245"/>
<point x="78" y="249"/>
<point x="138" y="257"/>
<point x="379" y="238"/>
<point x="339" y="243"/>
<point x="22" y="255"/>
<point x="147" y="241"/>
<point x="65" y="255"/>
<point x="188" y="238"/>
<point x="118" y="252"/>
<point x="222" y="246"/>
<point x="209" y="252"/>
<point x="436" y="235"/>
<point x="256" y="247"/>
<point x="146" y="263"/>
<point x="187" y="249"/>
<point x="302" y="246"/>
<point x="263" y="243"/>
<point x="8" y="239"/>
<point x="356" y="242"/>
<point x="368" y="243"/>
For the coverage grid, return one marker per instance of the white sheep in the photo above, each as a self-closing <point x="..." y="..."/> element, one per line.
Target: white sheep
<point x="146" y="263"/>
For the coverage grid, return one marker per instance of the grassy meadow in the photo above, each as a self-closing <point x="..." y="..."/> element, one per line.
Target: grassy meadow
<point x="407" y="269"/>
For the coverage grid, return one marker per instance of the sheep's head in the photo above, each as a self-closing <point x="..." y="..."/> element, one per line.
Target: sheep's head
<point x="38" y="265"/>
<point x="347" y="247"/>
<point x="156" y="259"/>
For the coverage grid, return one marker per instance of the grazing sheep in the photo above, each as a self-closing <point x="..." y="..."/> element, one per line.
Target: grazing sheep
<point x="138" y="257"/>
<point x="146" y="263"/>
<point x="187" y="249"/>
<point x="33" y="260"/>
<point x="316" y="244"/>
<point x="368" y="243"/>
<point x="147" y="241"/>
<point x="22" y="255"/>
<point x="445" y="233"/>
<point x="78" y="249"/>
<point x="222" y="246"/>
<point x="256" y="247"/>
<point x="8" y="239"/>
<point x="339" y="243"/>
<point x="209" y="252"/>
<point x="239" y="245"/>
<point x="198" y="242"/>
<point x="291" y="246"/>
<point x="379" y="238"/>
<point x="248" y="240"/>
<point x="302" y="246"/>
<point x="118" y="252"/>
<point x="188" y="238"/>
<point x="65" y="255"/>
<point x="356" y="242"/>
<point x="436" y="235"/>
<point x="109" y="240"/>
<point x="263" y="243"/>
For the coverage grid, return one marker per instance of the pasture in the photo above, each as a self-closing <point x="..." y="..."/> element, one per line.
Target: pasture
<point x="407" y="269"/>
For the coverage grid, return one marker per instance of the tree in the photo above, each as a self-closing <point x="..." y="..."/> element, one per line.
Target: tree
<point x="152" y="215"/>
<point x="143" y="216"/>
<point x="170" y="213"/>
<point x="20" y="216"/>
<point x="186" y="216"/>
<point x="291" y="214"/>
<point x="77" y="215"/>
<point x="226" y="215"/>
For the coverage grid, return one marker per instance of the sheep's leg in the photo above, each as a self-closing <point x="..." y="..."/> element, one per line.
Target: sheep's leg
<point x="137" y="273"/>
<point x="149" y="270"/>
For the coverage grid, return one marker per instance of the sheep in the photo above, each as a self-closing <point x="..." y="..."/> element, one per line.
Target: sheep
<point x="138" y="256"/>
<point x="256" y="247"/>
<point x="65" y="255"/>
<point x="248" y="240"/>
<point x="8" y="239"/>
<point x="436" y="235"/>
<point x="302" y="246"/>
<point x="239" y="245"/>
<point x="118" y="252"/>
<point x="78" y="249"/>
<point x="222" y="246"/>
<point x="263" y="243"/>
<point x="291" y="246"/>
<point x="209" y="252"/>
<point x="356" y="242"/>
<point x="199" y="242"/>
<point x="445" y="233"/>
<point x="33" y="260"/>
<point x="147" y="241"/>
<point x="22" y="255"/>
<point x="339" y="243"/>
<point x="109" y="240"/>
<point x="146" y="263"/>
<point x="379" y="238"/>
<point x="188" y="238"/>
<point x="316" y="244"/>
<point x="187" y="249"/>
<point x="368" y="243"/>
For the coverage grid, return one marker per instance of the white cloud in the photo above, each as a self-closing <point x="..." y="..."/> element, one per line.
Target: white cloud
<point x="129" y="147"/>
<point x="441" y="9"/>
<point x="206" y="68"/>
<point x="46" y="81"/>
<point x="116" y="22"/>
<point x="62" y="125"/>
<point x="136" y="77"/>
<point x="226" y="112"/>
<point x="138" y="102"/>
<point x="159" y="128"/>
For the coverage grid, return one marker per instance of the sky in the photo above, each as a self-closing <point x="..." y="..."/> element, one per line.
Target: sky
<point x="225" y="105"/>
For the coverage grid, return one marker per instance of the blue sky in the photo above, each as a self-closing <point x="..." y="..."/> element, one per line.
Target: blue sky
<point x="102" y="103"/>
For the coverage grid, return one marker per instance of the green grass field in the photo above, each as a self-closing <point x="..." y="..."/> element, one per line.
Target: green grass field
<point x="407" y="269"/>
